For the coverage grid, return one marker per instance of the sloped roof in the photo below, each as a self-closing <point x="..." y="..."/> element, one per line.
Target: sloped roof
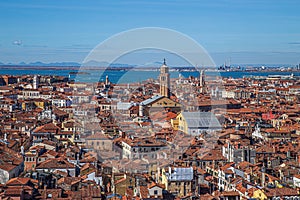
<point x="201" y="120"/>
<point x="98" y="136"/>
<point x="124" y="105"/>
<point x="271" y="192"/>
<point x="151" y="100"/>
<point x="47" y="128"/>
<point x="55" y="164"/>
<point x="69" y="180"/>
<point x="20" y="181"/>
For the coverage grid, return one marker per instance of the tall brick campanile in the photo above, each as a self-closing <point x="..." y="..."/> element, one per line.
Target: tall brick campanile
<point x="164" y="80"/>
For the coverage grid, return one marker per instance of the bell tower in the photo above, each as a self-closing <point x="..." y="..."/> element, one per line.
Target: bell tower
<point x="202" y="82"/>
<point x="35" y="82"/>
<point x="164" y="80"/>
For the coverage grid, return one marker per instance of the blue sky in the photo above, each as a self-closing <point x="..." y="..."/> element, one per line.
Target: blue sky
<point x="248" y="31"/>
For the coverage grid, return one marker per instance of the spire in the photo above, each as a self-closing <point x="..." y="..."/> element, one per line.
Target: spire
<point x="164" y="79"/>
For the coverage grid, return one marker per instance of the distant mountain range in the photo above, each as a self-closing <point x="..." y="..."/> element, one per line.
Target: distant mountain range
<point x="67" y="64"/>
<point x="93" y="63"/>
<point x="75" y="64"/>
<point x="56" y="64"/>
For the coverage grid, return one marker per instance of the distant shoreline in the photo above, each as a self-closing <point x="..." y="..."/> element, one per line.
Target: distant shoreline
<point x="133" y="75"/>
<point x="137" y="68"/>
